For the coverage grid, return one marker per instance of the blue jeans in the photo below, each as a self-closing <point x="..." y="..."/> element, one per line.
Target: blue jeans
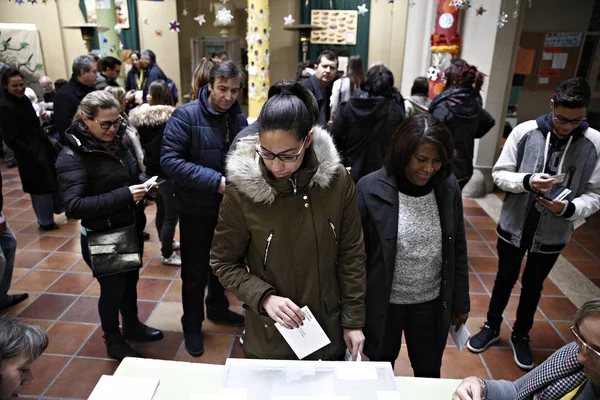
<point x="8" y="249"/>
<point x="46" y="205"/>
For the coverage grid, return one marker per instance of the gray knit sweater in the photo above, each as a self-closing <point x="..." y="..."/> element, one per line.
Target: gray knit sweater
<point x="418" y="268"/>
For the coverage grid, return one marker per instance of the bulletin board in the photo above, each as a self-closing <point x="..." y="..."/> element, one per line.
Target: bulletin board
<point x="530" y="42"/>
<point x="340" y="26"/>
<point x="559" y="58"/>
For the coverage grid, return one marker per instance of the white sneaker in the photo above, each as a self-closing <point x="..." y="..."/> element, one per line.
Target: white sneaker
<point x="176" y="245"/>
<point x="175" y="259"/>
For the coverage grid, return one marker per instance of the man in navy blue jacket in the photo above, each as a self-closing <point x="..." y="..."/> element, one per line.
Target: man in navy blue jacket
<point x="195" y="144"/>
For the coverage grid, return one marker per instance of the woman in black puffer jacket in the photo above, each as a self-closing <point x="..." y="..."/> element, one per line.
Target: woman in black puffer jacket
<point x="100" y="182"/>
<point x="459" y="107"/>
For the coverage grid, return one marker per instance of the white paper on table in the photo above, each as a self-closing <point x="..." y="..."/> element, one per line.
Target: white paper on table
<point x="355" y="371"/>
<point x="460" y="338"/>
<point x="387" y="395"/>
<point x="224" y="394"/>
<point x="547" y="56"/>
<point x="306" y="339"/>
<point x="124" y="388"/>
<point x="560" y="60"/>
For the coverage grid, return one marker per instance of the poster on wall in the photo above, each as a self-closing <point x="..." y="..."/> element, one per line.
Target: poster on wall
<point x="120" y="9"/>
<point x="340" y="26"/>
<point x="563" y="39"/>
<point x="20" y="48"/>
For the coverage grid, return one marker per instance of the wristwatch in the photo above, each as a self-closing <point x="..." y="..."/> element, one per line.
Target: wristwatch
<point x="483" y="389"/>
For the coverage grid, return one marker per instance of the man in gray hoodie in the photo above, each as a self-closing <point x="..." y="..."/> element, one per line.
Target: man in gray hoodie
<point x="541" y="158"/>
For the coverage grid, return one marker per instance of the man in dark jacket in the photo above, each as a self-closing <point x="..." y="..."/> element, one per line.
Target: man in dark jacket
<point x="152" y="71"/>
<point x="321" y="84"/>
<point x="110" y="68"/>
<point x="364" y="125"/>
<point x="68" y="98"/>
<point x="195" y="143"/>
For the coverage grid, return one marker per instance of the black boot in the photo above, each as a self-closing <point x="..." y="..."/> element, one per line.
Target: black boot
<point x="140" y="332"/>
<point x="117" y="347"/>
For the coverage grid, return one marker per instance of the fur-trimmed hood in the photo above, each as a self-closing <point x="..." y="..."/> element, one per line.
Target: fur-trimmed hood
<point x="246" y="170"/>
<point x="147" y="115"/>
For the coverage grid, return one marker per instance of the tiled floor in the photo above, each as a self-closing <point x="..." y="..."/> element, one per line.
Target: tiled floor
<point x="63" y="299"/>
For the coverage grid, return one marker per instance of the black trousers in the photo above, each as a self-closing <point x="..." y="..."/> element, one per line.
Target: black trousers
<point x="420" y="323"/>
<point x="537" y="268"/>
<point x="118" y="293"/>
<point x="196" y="233"/>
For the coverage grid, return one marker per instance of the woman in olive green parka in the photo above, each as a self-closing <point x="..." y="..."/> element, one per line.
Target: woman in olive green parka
<point x="289" y="232"/>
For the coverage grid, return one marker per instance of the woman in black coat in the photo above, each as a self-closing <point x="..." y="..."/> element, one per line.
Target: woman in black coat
<point x="417" y="273"/>
<point x="459" y="107"/>
<point x="22" y="132"/>
<point x="363" y="127"/>
<point x="100" y="182"/>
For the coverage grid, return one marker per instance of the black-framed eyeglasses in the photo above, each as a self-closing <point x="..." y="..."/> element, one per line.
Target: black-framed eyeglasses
<point x="564" y="121"/>
<point x="592" y="353"/>
<point x="105" y="125"/>
<point x="286" y="158"/>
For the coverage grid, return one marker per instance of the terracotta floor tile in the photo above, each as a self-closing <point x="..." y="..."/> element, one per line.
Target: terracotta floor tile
<point x="474" y="285"/>
<point x="39" y="322"/>
<point x="72" y="246"/>
<point x="44" y="371"/>
<point x="586" y="238"/>
<point x="17" y="309"/>
<point x="32" y="229"/>
<point x="490" y="236"/>
<point x="36" y="281"/>
<point x="511" y="309"/>
<point x="80" y="377"/>
<point x="543" y="335"/>
<point x="145" y="309"/>
<point x="594" y="249"/>
<point x="155" y="269"/>
<point x="479" y="305"/>
<point x="539" y="356"/>
<point x="85" y="309"/>
<point x="28" y="215"/>
<point x="174" y="292"/>
<point x="474" y="212"/>
<point x="596" y="281"/>
<point x="29" y="259"/>
<point x="402" y="366"/>
<point x="557" y="308"/>
<point x="166" y="317"/>
<point x="470" y="202"/>
<point x="488" y="281"/>
<point x="501" y="364"/>
<point x="550" y="289"/>
<point x="575" y="252"/>
<point x="21" y="203"/>
<point x="59" y="261"/>
<point x="47" y="243"/>
<point x="472" y="234"/>
<point x="11" y="212"/>
<point x="209" y="326"/>
<point x="590" y="268"/>
<point x="563" y="328"/>
<point x="474" y="324"/>
<point x="17" y="225"/>
<point x="233" y="301"/>
<point x="14" y="194"/>
<point x="152" y="248"/>
<point x="164" y="349"/>
<point x="18" y="273"/>
<point x="216" y="350"/>
<point x="237" y="350"/>
<point x="71" y="283"/>
<point x="24" y="240"/>
<point x="80" y="266"/>
<point x="458" y="365"/>
<point x="478" y="249"/>
<point x="67" y="338"/>
<point x="482" y="222"/>
<point x="95" y="346"/>
<point x="93" y="290"/>
<point x="151" y="289"/>
<point x="48" y="306"/>
<point x="484" y="264"/>
<point x="66" y="230"/>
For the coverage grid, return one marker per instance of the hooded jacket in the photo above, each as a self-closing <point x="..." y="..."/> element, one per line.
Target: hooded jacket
<point x="21" y="131"/>
<point x="150" y="122"/>
<point x="416" y="105"/>
<point x="152" y="73"/>
<point x="66" y="102"/>
<point x="460" y="110"/>
<point x="299" y="238"/>
<point x="526" y="152"/>
<point x="353" y="131"/>
<point x="193" y="152"/>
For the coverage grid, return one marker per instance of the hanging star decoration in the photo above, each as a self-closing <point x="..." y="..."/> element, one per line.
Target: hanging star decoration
<point x="118" y="29"/>
<point x="502" y="19"/>
<point x="412" y="3"/>
<point x="224" y="1"/>
<point x="224" y="16"/>
<point x="289" y="20"/>
<point x="480" y="10"/>
<point x="200" y="19"/>
<point x="45" y="2"/>
<point x="174" y="26"/>
<point x="390" y="1"/>
<point x="185" y="12"/>
<point x="158" y="32"/>
<point x="362" y="10"/>
<point x="146" y="21"/>
<point x="33" y="2"/>
<point x="19" y="2"/>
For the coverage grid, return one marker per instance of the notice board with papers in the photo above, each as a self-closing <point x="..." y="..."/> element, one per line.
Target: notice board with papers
<point x="555" y="59"/>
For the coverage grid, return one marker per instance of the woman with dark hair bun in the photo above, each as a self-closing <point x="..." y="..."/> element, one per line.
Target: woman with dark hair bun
<point x="459" y="107"/>
<point x="417" y="280"/>
<point x="289" y="231"/>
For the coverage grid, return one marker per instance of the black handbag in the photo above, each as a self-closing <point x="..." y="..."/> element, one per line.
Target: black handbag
<point x="115" y="251"/>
